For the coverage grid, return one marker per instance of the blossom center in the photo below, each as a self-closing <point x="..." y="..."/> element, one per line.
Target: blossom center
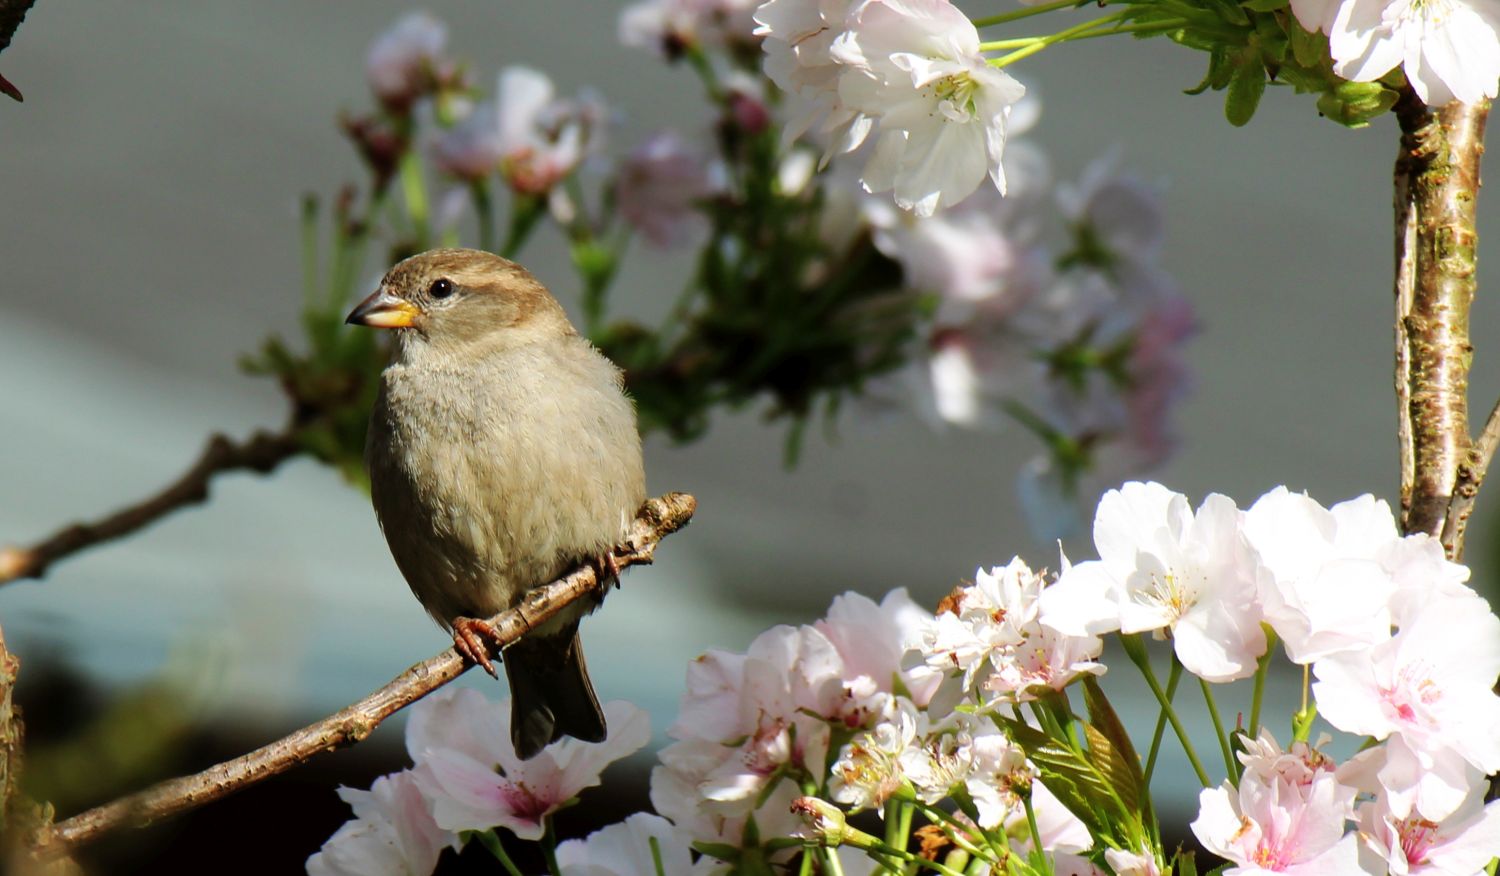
<point x="955" y="96"/>
<point x="1417" y="835"/>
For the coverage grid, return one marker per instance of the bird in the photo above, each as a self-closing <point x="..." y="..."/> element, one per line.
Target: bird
<point x="502" y="452"/>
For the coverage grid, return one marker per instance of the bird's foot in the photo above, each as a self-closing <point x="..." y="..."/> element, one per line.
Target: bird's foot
<point x="469" y="637"/>
<point x="607" y="567"/>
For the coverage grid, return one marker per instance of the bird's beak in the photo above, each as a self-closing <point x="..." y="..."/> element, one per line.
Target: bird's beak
<point x="383" y="310"/>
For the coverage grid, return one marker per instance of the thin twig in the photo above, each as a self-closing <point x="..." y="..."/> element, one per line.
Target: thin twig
<point x="263" y="452"/>
<point x="657" y="518"/>
<point x="1471" y="472"/>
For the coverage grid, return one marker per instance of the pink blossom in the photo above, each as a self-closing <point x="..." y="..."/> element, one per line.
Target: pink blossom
<point x="472" y="148"/>
<point x="874" y="639"/>
<point x="1270" y="825"/>
<point x="668" y="26"/>
<point x="1430" y="690"/>
<point x="660" y="187"/>
<point x="1459" y="845"/>
<point x="466" y="766"/>
<point x="543" y="139"/>
<point x="392" y="833"/>
<point x="400" y="58"/>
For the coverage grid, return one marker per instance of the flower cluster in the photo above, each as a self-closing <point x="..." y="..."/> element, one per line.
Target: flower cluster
<point x="964" y="717"/>
<point x="467" y="779"/>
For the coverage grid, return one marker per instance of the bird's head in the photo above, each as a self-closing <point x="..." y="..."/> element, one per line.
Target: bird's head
<point x="462" y="300"/>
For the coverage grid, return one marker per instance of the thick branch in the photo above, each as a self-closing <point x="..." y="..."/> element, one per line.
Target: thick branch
<point x="1437" y="186"/>
<point x="263" y="452"/>
<point x="657" y="519"/>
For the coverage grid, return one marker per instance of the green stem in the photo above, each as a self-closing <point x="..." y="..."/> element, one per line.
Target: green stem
<point x="484" y="207"/>
<point x="1136" y="650"/>
<point x="489" y="840"/>
<point x="525" y="212"/>
<point x="893" y="834"/>
<point x="1161" y="723"/>
<point x="1262" y="669"/>
<point x="549" y="847"/>
<point x="414" y="191"/>
<point x="1052" y="39"/>
<point x="831" y="862"/>
<point x="1039" y="858"/>
<point x="309" y="249"/>
<point x="1025" y="12"/>
<point x="1230" y="767"/>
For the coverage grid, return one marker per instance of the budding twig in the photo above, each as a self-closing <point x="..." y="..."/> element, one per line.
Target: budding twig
<point x="263" y="452"/>
<point x="657" y="518"/>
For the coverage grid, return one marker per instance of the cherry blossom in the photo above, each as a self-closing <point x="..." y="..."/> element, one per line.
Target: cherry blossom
<point x="992" y="634"/>
<point x="543" y="138"/>
<point x="1162" y="567"/>
<point x="1270" y="825"/>
<point x="1410" y="845"/>
<point x="659" y="187"/>
<point x="400" y="58"/>
<point x="473" y="147"/>
<point x="1327" y="590"/>
<point x="1449" y="49"/>
<point x="392" y="833"/>
<point x="669" y="27"/>
<point x="467" y="768"/>
<point x="625" y="849"/>
<point x="1430" y="690"/>
<point x="915" y="67"/>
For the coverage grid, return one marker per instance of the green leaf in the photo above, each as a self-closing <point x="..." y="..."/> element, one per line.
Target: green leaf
<point x="1310" y="49"/>
<point x="1110" y="745"/>
<point x="1245" y="89"/>
<point x="1186" y="864"/>
<point x="1083" y="788"/>
<point x="1265" y="5"/>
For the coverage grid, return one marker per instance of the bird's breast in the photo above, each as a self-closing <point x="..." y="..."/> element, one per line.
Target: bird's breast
<point x="494" y="479"/>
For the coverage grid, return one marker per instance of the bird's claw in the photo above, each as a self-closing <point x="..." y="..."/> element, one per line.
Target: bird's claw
<point x="469" y="637"/>
<point x="607" y="567"/>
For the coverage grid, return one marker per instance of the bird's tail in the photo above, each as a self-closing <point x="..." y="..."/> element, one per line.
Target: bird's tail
<point x="551" y="696"/>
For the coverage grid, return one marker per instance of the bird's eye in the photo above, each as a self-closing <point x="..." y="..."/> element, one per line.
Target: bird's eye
<point x="440" y="288"/>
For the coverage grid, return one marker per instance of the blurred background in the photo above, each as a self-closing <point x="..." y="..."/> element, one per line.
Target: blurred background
<point x="149" y="222"/>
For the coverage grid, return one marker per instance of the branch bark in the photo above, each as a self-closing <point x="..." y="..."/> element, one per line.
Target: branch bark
<point x="657" y="518"/>
<point x="262" y="452"/>
<point x="10" y="733"/>
<point x="1437" y="183"/>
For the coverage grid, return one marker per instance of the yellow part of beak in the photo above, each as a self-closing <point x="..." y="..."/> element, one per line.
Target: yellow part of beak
<point x="383" y="310"/>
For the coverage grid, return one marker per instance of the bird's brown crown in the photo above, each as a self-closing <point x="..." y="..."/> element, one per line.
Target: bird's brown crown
<point x="468" y="296"/>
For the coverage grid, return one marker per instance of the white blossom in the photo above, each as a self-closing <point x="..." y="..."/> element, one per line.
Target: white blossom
<point x="915" y="67"/>
<point x="1162" y="567"/>
<point x="392" y="833"/>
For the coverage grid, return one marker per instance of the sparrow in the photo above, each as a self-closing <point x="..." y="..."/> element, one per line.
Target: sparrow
<point x="502" y="452"/>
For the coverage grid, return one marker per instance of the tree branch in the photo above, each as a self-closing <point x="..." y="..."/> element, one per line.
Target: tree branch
<point x="10" y="733"/>
<point x="657" y="518"/>
<point x="1471" y="472"/>
<point x="1437" y="186"/>
<point x="263" y="452"/>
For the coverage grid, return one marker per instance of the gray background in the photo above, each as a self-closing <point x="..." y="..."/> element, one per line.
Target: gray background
<point x="148" y="235"/>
